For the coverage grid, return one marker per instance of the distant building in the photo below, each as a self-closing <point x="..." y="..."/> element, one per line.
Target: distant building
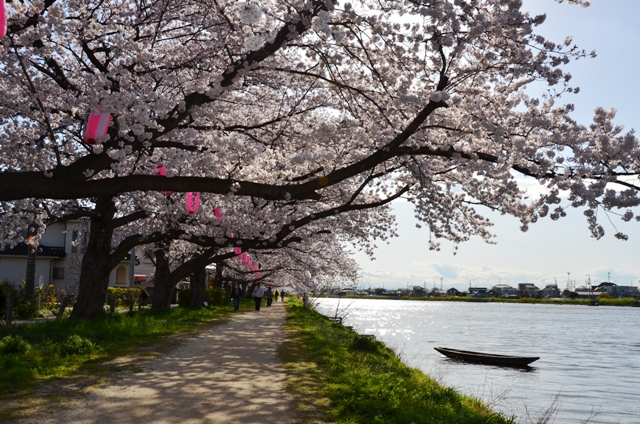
<point x="418" y="291"/>
<point x="478" y="292"/>
<point x="527" y="290"/>
<point x="616" y="291"/>
<point x="628" y="291"/>
<point x="550" y="290"/>
<point x="584" y="292"/>
<point x="504" y="290"/>
<point x="453" y="292"/>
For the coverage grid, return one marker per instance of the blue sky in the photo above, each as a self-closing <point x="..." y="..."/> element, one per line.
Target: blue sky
<point x="549" y="250"/>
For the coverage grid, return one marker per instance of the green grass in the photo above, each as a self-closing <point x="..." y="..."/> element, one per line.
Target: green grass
<point x="338" y="375"/>
<point x="39" y="351"/>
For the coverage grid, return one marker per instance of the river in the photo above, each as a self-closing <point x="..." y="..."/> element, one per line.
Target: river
<point x="589" y="356"/>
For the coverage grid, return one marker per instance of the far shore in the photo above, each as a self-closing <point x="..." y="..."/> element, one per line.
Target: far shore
<point x="553" y="301"/>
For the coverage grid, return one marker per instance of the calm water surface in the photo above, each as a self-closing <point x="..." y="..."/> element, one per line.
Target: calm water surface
<point x="589" y="356"/>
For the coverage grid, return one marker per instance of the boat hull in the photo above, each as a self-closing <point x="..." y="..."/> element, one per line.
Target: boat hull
<point x="487" y="358"/>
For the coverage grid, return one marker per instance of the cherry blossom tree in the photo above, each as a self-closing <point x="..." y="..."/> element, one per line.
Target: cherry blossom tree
<point x="297" y="107"/>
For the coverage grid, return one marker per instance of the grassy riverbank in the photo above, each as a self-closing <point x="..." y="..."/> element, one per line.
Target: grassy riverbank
<point x="337" y="375"/>
<point x="583" y="302"/>
<point x="48" y="349"/>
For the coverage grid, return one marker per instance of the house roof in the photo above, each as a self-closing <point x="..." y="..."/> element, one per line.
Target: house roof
<point x="502" y="286"/>
<point x="21" y="249"/>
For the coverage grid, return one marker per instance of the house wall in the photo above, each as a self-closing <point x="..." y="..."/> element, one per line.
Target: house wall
<point x="122" y="271"/>
<point x="54" y="235"/>
<point x="14" y="269"/>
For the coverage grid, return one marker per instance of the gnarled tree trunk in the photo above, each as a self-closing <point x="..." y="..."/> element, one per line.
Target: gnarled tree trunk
<point x="97" y="262"/>
<point x="164" y="284"/>
<point x="198" y="286"/>
<point x="217" y="281"/>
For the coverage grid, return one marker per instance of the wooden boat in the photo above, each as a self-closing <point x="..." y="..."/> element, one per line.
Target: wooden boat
<point x="487" y="358"/>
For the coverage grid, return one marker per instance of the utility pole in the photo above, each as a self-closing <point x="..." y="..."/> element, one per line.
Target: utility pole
<point x="441" y="283"/>
<point x="132" y="266"/>
<point x="32" y="253"/>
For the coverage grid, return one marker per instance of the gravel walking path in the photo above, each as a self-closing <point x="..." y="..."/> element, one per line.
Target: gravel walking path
<point x="226" y="374"/>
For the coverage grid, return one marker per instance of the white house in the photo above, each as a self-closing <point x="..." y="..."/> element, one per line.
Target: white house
<point x="59" y="258"/>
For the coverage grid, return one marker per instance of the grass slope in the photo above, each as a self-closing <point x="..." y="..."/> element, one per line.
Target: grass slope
<point x="338" y="376"/>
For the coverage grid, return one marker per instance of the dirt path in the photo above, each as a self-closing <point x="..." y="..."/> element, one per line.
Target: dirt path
<point x="227" y="374"/>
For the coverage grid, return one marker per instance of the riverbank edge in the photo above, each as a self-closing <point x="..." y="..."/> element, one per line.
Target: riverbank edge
<point x="578" y="302"/>
<point x="337" y="375"/>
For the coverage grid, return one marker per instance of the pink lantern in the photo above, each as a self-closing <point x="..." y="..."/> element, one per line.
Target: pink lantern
<point x="193" y="201"/>
<point x="245" y="257"/>
<point x="96" y="126"/>
<point x="258" y="274"/>
<point x="237" y="251"/>
<point x="219" y="214"/>
<point x="3" y="19"/>
<point x="160" y="171"/>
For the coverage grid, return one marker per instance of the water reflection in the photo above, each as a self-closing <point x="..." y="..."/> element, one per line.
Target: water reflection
<point x="588" y="356"/>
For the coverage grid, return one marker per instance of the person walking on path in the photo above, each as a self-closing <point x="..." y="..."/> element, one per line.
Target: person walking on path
<point x="269" y="296"/>
<point x="276" y="294"/>
<point x="305" y="299"/>
<point x="236" y="294"/>
<point x="258" y="292"/>
<point x="282" y="295"/>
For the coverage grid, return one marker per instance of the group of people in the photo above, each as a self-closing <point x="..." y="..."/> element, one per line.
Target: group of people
<point x="258" y="293"/>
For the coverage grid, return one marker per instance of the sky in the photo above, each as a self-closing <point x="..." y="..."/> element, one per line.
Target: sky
<point x="551" y="251"/>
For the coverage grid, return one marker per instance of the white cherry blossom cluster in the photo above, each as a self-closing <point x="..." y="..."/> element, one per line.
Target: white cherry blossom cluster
<point x="250" y="14"/>
<point x="320" y="23"/>
<point x="339" y="35"/>
<point x="253" y="42"/>
<point x="439" y="96"/>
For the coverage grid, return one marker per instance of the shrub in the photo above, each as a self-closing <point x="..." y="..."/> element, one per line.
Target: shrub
<point x="14" y="344"/>
<point x="367" y="344"/>
<point x="77" y="345"/>
<point x="123" y="295"/>
<point x="217" y="296"/>
<point x="212" y="295"/>
<point x="22" y="309"/>
<point x="184" y="297"/>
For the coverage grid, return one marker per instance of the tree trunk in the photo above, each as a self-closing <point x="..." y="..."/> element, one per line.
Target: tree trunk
<point x="250" y="286"/>
<point x="164" y="285"/>
<point x="96" y="262"/>
<point x="198" y="282"/>
<point x="217" y="281"/>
